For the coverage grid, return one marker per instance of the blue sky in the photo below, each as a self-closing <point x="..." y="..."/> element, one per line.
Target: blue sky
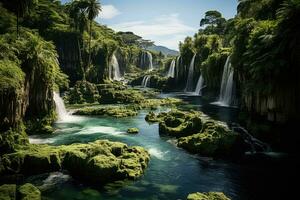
<point x="166" y="22"/>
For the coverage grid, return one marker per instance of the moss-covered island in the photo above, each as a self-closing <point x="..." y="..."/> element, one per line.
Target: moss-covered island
<point x="93" y="112"/>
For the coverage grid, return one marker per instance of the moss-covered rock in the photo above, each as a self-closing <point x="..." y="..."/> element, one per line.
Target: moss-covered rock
<point x="199" y="134"/>
<point x="10" y="140"/>
<point x="100" y="161"/>
<point x="133" y="130"/>
<point x="129" y="110"/>
<point x="23" y="192"/>
<point x="116" y="93"/>
<point x="207" y="196"/>
<point x="179" y="124"/>
<point x="114" y="111"/>
<point x="29" y="192"/>
<point x="215" y="139"/>
<point x="83" y="92"/>
<point x="8" y="192"/>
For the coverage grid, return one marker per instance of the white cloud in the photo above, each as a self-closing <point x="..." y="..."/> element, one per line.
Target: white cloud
<point x="109" y="12"/>
<point x="165" y="30"/>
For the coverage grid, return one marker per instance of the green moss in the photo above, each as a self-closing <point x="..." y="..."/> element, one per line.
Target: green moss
<point x="179" y="124"/>
<point x="100" y="161"/>
<point x="117" y="93"/>
<point x="83" y="92"/>
<point x="13" y="138"/>
<point x="23" y="192"/>
<point x="29" y="192"/>
<point x="11" y="76"/>
<point x="41" y="126"/>
<point x="199" y="134"/>
<point x="114" y="111"/>
<point x="8" y="192"/>
<point x="207" y="196"/>
<point x="133" y="131"/>
<point x="215" y="139"/>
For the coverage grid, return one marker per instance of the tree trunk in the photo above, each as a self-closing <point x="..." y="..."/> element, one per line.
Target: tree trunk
<point x="80" y="58"/>
<point x="89" y="63"/>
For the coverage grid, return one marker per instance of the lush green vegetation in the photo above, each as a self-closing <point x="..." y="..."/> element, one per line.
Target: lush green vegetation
<point x="48" y="47"/>
<point x="262" y="41"/>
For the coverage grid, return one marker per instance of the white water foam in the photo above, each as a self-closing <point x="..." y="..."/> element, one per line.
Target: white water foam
<point x="54" y="179"/>
<point x="158" y="153"/>
<point x="63" y="115"/>
<point x="35" y="140"/>
<point x="99" y="129"/>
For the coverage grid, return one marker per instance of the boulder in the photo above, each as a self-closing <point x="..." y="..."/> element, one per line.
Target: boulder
<point x="133" y="131"/>
<point x="29" y="192"/>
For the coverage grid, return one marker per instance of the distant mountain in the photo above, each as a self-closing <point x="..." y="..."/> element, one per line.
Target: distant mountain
<point x="164" y="50"/>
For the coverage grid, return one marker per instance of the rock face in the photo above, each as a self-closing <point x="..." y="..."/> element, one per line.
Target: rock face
<point x="207" y="196"/>
<point x="100" y="161"/>
<point x="197" y="133"/>
<point x="23" y="192"/>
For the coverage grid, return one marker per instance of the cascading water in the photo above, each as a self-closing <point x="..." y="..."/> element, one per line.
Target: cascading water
<point x="199" y="86"/>
<point x="189" y="83"/>
<point x="171" y="72"/>
<point x="226" y="91"/>
<point x="60" y="107"/>
<point x="114" y="69"/>
<point x="146" y="81"/>
<point x="149" y="55"/>
<point x="63" y="115"/>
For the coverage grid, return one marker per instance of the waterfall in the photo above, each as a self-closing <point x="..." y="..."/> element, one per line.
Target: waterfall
<point x="114" y="69"/>
<point x="149" y="55"/>
<point x="225" y="97"/>
<point x="171" y="72"/>
<point x="199" y="86"/>
<point x="189" y="83"/>
<point x="60" y="107"/>
<point x="146" y="81"/>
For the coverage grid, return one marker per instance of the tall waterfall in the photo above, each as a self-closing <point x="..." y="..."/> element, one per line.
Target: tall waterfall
<point x="171" y="72"/>
<point x="226" y="91"/>
<point x="146" y="81"/>
<point x="149" y="55"/>
<point x="189" y="83"/>
<point x="60" y="107"/>
<point x="114" y="69"/>
<point x="199" y="86"/>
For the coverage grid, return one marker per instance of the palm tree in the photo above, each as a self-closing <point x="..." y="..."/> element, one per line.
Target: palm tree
<point x="93" y="9"/>
<point x="77" y="13"/>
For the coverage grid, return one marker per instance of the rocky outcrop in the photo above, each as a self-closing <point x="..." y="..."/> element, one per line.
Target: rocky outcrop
<point x="207" y="196"/>
<point x="101" y="161"/>
<point x="199" y="134"/>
